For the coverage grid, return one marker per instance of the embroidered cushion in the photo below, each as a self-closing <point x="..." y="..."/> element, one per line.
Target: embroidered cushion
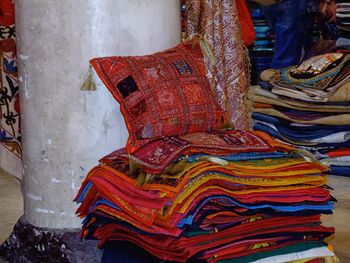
<point x="162" y="94"/>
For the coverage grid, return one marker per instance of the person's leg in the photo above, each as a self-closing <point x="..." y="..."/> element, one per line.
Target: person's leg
<point x="288" y="36"/>
<point x="307" y="27"/>
<point x="270" y="15"/>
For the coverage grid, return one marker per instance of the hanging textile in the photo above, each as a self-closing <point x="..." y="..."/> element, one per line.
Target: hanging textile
<point x="10" y="146"/>
<point x="218" y="22"/>
<point x="248" y="31"/>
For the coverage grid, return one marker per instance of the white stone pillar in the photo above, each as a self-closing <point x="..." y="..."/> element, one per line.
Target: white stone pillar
<point x="65" y="130"/>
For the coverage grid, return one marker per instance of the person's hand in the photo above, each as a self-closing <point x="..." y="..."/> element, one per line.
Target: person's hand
<point x="329" y="10"/>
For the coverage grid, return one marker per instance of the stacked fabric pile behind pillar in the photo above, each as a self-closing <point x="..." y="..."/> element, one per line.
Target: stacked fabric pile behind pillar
<point x="261" y="53"/>
<point x="343" y="25"/>
<point x="307" y="106"/>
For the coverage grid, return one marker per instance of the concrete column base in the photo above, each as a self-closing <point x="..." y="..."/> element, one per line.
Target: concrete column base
<point x="28" y="244"/>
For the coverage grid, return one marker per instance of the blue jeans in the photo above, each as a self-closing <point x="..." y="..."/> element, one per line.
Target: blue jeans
<point x="287" y="21"/>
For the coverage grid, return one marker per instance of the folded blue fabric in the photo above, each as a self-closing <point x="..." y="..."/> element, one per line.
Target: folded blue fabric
<point x="282" y="207"/>
<point x="262" y="127"/>
<point x="340" y="170"/>
<point x="267" y="118"/>
<point x="297" y="133"/>
<point x="244" y="156"/>
<point x="120" y="251"/>
<point x="276" y="134"/>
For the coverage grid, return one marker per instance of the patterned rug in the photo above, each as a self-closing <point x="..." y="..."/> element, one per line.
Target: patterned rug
<point x="10" y="130"/>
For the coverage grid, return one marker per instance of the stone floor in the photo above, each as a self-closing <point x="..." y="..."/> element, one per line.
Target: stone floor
<point x="11" y="208"/>
<point x="11" y="205"/>
<point x="341" y="217"/>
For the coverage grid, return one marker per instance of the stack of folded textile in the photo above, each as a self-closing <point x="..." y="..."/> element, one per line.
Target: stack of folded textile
<point x="307" y="106"/>
<point x="261" y="53"/>
<point x="189" y="188"/>
<point x="343" y="25"/>
<point x="263" y="39"/>
<point x="230" y="196"/>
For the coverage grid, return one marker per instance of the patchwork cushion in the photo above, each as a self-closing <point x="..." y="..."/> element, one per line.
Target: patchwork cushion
<point x="162" y="94"/>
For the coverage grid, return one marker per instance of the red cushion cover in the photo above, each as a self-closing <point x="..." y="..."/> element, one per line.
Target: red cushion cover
<point x="162" y="94"/>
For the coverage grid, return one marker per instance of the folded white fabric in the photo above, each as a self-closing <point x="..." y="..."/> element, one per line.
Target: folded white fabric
<point x="311" y="253"/>
<point x="337" y="161"/>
